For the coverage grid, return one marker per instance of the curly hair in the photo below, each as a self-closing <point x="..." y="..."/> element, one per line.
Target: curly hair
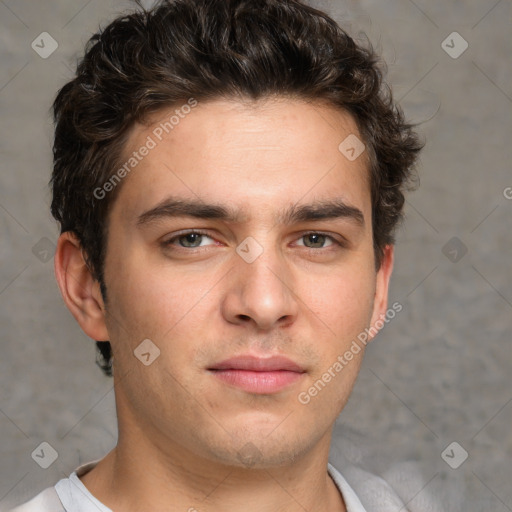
<point x="209" y="49"/>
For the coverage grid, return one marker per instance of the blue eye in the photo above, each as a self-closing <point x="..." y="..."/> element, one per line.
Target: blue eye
<point x="192" y="239"/>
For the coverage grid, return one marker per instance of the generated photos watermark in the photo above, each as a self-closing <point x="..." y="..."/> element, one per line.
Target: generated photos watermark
<point x="304" y="397"/>
<point x="158" y="134"/>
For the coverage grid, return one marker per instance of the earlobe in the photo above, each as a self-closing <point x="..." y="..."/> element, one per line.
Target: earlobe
<point x="79" y="289"/>
<point x="382" y="288"/>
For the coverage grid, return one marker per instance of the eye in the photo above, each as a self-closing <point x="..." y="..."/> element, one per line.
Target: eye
<point x="190" y="240"/>
<point x="317" y="240"/>
<point x="194" y="239"/>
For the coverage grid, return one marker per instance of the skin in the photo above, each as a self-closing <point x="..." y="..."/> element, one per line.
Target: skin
<point x="187" y="440"/>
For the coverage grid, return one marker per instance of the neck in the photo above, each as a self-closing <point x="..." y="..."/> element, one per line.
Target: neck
<point x="139" y="475"/>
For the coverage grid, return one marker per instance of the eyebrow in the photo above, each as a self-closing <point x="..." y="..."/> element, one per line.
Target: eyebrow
<point x="319" y="210"/>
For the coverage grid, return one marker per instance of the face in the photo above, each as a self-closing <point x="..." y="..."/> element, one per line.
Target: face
<point x="250" y="293"/>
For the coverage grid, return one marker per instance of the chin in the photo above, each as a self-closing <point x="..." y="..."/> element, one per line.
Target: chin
<point x="259" y="450"/>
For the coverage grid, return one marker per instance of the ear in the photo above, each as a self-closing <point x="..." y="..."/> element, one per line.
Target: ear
<point x="380" y="303"/>
<point x="79" y="289"/>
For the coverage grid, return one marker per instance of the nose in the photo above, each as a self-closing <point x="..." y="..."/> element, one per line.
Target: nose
<point x="261" y="292"/>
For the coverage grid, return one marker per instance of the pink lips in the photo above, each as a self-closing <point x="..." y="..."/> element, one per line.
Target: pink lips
<point x="258" y="375"/>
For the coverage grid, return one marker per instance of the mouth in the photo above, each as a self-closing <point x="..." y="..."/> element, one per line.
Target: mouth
<point x="258" y="375"/>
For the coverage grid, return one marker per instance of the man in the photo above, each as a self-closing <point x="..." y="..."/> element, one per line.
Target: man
<point x="228" y="175"/>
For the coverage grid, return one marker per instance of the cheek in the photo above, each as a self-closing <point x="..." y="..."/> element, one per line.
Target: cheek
<point x="156" y="302"/>
<point x="342" y="299"/>
<point x="140" y="301"/>
<point x="342" y="310"/>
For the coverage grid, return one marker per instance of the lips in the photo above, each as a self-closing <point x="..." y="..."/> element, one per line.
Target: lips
<point x="259" y="364"/>
<point x="257" y="374"/>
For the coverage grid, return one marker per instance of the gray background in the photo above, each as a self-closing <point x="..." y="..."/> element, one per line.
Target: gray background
<point x="439" y="372"/>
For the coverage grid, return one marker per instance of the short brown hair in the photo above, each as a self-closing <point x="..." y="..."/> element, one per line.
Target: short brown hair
<point x="207" y="49"/>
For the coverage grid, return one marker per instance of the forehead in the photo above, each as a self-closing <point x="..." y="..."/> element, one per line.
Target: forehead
<point x="260" y="155"/>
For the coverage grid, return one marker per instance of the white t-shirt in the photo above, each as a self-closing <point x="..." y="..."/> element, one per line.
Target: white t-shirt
<point x="71" y="495"/>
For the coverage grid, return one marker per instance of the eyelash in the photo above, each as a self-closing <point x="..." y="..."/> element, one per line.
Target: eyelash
<point x="169" y="243"/>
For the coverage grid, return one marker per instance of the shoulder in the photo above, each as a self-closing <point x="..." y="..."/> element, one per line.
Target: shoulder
<point x="45" y="501"/>
<point x="371" y="492"/>
<point x="393" y="491"/>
